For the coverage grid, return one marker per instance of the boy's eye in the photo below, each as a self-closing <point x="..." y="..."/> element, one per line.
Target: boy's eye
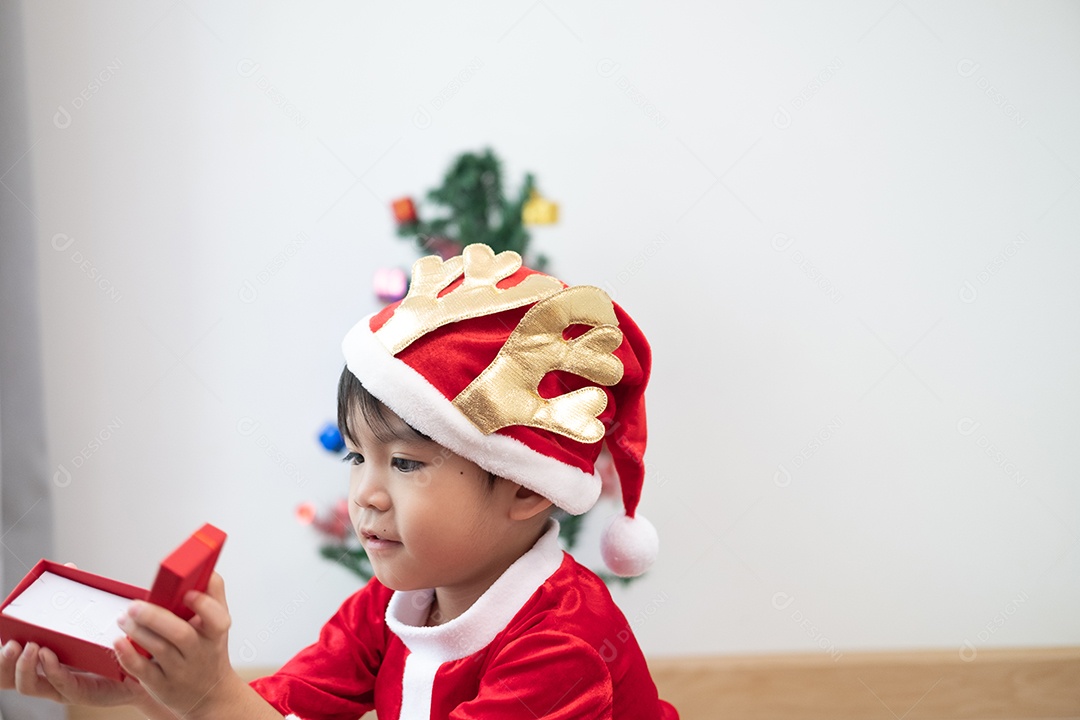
<point x="353" y="458"/>
<point x="406" y="465"/>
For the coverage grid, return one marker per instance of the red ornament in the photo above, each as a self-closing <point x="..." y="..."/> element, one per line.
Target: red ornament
<point x="334" y="525"/>
<point x="405" y="211"/>
<point x="306" y="513"/>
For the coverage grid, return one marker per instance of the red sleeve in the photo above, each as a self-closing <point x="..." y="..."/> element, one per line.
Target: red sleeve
<point x="548" y="675"/>
<point x="334" y="678"/>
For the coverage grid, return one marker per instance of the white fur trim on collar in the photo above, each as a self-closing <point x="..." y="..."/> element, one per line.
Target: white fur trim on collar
<point x="421" y="405"/>
<point x="475" y="628"/>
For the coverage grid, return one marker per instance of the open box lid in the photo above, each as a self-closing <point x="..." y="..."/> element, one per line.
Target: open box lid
<point x="189" y="567"/>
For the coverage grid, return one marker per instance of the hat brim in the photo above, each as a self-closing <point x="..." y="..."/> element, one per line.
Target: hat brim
<point x="420" y="404"/>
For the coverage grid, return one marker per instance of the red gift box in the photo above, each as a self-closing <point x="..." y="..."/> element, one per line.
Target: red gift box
<point x="73" y="612"/>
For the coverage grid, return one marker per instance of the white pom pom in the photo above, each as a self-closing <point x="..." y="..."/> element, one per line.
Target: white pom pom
<point x="629" y="545"/>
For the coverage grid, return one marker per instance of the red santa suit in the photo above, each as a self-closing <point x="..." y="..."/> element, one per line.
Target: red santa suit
<point x="545" y="641"/>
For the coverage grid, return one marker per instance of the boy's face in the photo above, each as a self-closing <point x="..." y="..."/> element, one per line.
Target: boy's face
<point x="426" y="517"/>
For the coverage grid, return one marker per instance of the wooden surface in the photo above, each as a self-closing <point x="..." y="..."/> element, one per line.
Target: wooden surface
<point x="1037" y="684"/>
<point x="996" y="685"/>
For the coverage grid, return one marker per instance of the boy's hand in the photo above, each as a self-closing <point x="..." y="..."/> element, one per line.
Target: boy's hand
<point x="36" y="671"/>
<point x="189" y="670"/>
<point x="189" y="675"/>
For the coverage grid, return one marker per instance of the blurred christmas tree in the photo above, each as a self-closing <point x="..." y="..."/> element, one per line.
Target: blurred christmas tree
<point x="473" y="208"/>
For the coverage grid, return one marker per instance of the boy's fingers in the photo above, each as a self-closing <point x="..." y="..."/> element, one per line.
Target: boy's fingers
<point x="9" y="655"/>
<point x="49" y="661"/>
<point x="162" y="624"/>
<point x="27" y="680"/>
<point x="58" y="676"/>
<point x="211" y="616"/>
<point x="216" y="589"/>
<point x="26" y="670"/>
<point x="148" y="640"/>
<point x="135" y="663"/>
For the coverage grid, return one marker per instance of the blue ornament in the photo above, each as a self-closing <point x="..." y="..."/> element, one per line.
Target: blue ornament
<point x="331" y="439"/>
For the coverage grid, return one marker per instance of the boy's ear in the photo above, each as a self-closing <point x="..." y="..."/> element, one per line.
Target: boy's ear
<point x="527" y="504"/>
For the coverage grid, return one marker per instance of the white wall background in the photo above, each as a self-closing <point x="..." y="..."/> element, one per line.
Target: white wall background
<point x="849" y="229"/>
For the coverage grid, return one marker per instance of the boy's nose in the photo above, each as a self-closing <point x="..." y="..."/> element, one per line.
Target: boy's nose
<point x="369" y="491"/>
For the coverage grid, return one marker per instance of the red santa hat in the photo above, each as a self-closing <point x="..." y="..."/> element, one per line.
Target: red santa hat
<point x="524" y="376"/>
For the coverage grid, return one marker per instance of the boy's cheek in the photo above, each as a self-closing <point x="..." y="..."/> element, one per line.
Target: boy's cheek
<point x="354" y="519"/>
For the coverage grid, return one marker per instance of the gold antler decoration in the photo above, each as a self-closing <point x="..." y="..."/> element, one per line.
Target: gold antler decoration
<point x="422" y="310"/>
<point x="506" y="393"/>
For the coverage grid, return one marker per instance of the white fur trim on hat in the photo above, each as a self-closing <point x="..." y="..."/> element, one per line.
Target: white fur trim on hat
<point x="419" y="403"/>
<point x="629" y="545"/>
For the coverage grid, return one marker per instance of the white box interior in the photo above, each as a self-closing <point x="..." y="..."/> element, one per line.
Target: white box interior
<point x="71" y="608"/>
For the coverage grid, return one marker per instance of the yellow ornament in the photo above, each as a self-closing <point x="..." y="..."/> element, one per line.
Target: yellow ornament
<point x="538" y="211"/>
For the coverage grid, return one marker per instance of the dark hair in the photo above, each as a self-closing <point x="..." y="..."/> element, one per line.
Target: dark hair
<point x="353" y="396"/>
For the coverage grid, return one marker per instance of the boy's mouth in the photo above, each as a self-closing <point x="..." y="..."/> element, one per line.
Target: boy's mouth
<point x="374" y="541"/>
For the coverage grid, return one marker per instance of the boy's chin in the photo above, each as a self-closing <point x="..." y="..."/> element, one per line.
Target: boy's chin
<point x="396" y="583"/>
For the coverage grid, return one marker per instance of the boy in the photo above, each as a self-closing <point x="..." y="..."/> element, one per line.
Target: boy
<point x="472" y="408"/>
